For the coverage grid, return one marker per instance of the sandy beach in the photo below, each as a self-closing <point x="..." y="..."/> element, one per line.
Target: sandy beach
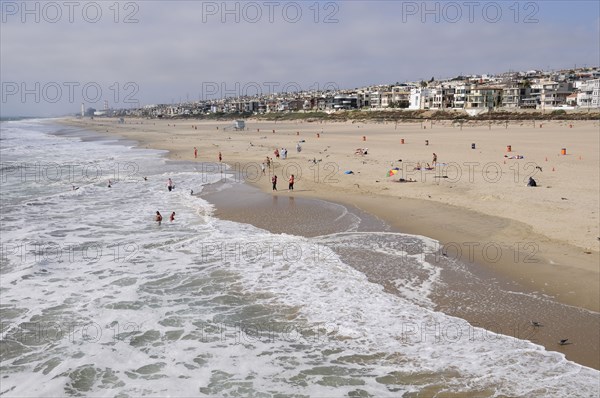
<point x="474" y="201"/>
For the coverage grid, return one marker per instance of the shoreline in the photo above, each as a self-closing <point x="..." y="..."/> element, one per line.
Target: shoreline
<point x="519" y="306"/>
<point x="540" y="269"/>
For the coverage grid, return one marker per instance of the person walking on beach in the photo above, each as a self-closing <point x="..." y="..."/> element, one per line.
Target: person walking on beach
<point x="158" y="217"/>
<point x="434" y="159"/>
<point x="276" y="153"/>
<point x="172" y="218"/>
<point x="220" y="157"/>
<point x="195" y="152"/>
<point x="291" y="181"/>
<point x="170" y="185"/>
<point x="262" y="167"/>
<point x="274" y="181"/>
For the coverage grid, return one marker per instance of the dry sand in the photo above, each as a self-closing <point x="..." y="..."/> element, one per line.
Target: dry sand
<point x="544" y="238"/>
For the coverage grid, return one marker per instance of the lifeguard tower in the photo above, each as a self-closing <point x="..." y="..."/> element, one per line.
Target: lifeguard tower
<point x="239" y="125"/>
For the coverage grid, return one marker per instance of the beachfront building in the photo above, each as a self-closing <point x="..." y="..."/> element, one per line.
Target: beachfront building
<point x="532" y="101"/>
<point x="443" y="97"/>
<point x="589" y="94"/>
<point x="513" y="95"/>
<point x="325" y="103"/>
<point x="400" y="96"/>
<point x="309" y="104"/>
<point x="364" y="98"/>
<point x="554" y="94"/>
<point x="346" y="101"/>
<point x="460" y="95"/>
<point x="272" y="105"/>
<point x="485" y="97"/>
<point x="381" y="99"/>
<point x="420" y="98"/>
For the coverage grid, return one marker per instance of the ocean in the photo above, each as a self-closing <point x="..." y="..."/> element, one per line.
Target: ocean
<point x="97" y="299"/>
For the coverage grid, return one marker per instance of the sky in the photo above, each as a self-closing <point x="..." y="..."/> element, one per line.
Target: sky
<point x="56" y="55"/>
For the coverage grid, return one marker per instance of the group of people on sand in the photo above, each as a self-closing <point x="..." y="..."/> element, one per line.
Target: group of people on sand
<point x="269" y="162"/>
<point x="290" y="182"/>
<point x="282" y="153"/>
<point x="266" y="165"/>
<point x="196" y="154"/>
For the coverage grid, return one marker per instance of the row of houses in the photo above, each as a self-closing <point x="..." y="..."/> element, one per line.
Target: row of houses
<point x="544" y="95"/>
<point x="509" y="91"/>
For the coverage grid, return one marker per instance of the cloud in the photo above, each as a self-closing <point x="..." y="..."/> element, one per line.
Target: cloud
<point x="175" y="48"/>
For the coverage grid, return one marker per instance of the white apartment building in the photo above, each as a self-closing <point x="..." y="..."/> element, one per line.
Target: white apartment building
<point x="513" y="95"/>
<point x="460" y="95"/>
<point x="484" y="98"/>
<point x="380" y="99"/>
<point x="443" y="97"/>
<point x="420" y="98"/>
<point x="553" y="94"/>
<point x="589" y="94"/>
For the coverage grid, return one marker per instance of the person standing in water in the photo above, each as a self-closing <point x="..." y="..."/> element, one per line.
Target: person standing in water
<point x="274" y="181"/>
<point x="172" y="218"/>
<point x="220" y="157"/>
<point x="158" y="217"/>
<point x="291" y="183"/>
<point x="170" y="185"/>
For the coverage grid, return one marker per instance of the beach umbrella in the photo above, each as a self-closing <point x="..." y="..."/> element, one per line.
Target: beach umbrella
<point x="392" y="172"/>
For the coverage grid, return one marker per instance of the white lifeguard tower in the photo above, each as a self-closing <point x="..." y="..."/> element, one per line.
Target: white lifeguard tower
<point x="239" y="125"/>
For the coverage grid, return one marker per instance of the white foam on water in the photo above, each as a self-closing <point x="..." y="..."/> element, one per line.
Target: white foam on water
<point x="97" y="299"/>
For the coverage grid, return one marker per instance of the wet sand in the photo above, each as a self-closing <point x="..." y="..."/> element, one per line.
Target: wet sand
<point x="483" y="296"/>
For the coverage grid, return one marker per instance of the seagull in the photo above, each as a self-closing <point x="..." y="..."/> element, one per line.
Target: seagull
<point x="563" y="342"/>
<point x="536" y="323"/>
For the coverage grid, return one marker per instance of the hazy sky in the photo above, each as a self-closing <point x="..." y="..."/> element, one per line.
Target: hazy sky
<point x="56" y="55"/>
